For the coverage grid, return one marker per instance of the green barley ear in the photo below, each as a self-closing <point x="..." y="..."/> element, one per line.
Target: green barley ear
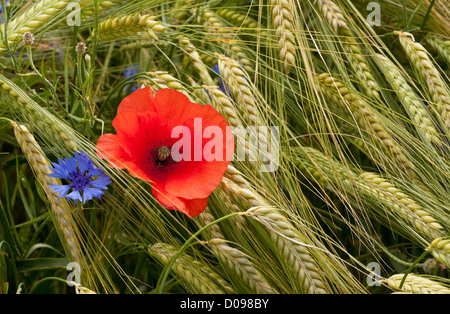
<point x="293" y="249"/>
<point x="239" y="83"/>
<point x="60" y="210"/>
<point x="434" y="85"/>
<point x="197" y="61"/>
<point x="440" y="249"/>
<point x="31" y="19"/>
<point x="229" y="41"/>
<point x="103" y="5"/>
<point x="40" y="118"/>
<point x="241" y="19"/>
<point x="416" y="284"/>
<point x="233" y="260"/>
<point x="282" y="14"/>
<point x="366" y="117"/>
<point x="411" y="103"/>
<point x="356" y="57"/>
<point x="374" y="190"/>
<point x="129" y="26"/>
<point x="195" y="275"/>
<point x="292" y="253"/>
<point x="441" y="45"/>
<point x="403" y="205"/>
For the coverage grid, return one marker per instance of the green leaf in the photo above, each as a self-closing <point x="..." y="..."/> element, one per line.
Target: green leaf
<point x="41" y="264"/>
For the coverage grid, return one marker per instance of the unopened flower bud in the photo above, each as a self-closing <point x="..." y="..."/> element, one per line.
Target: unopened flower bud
<point x="28" y="39"/>
<point x="80" y="48"/>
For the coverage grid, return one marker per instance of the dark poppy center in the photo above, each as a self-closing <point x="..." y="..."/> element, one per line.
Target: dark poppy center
<point x="160" y="157"/>
<point x="163" y="152"/>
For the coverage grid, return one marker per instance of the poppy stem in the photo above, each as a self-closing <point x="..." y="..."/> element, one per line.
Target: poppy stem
<point x="163" y="277"/>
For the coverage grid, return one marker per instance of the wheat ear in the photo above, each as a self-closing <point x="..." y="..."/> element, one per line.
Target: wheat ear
<point x="366" y="117"/>
<point x="195" y="275"/>
<point x="416" y="284"/>
<point x="40" y="166"/>
<point x="282" y="14"/>
<point x="332" y="14"/>
<point x="440" y="249"/>
<point x="437" y="89"/>
<point x="129" y="26"/>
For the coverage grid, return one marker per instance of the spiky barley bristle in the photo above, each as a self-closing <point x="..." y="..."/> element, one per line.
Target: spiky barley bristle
<point x="195" y="275"/>
<point x="436" y="88"/>
<point x="441" y="45"/>
<point x="411" y="103"/>
<point x="129" y="26"/>
<point x="292" y="248"/>
<point x="39" y="117"/>
<point x="416" y="284"/>
<point x="241" y="19"/>
<point x="370" y="186"/>
<point x="228" y="40"/>
<point x="282" y="14"/>
<point x="40" y="165"/>
<point x="366" y="117"/>
<point x="440" y="249"/>
<point x="31" y="19"/>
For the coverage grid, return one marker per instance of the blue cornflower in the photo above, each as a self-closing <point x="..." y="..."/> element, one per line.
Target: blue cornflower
<point x="132" y="69"/>
<point x="223" y="87"/>
<point x="85" y="180"/>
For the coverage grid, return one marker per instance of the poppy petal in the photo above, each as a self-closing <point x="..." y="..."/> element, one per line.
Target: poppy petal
<point x="140" y="101"/>
<point x="110" y="148"/>
<point x="174" y="108"/>
<point x="191" y="207"/>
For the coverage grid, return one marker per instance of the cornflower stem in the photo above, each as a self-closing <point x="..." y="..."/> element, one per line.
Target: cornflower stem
<point x="51" y="88"/>
<point x="163" y="277"/>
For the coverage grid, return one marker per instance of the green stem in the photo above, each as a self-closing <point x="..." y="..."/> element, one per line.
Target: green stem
<point x="163" y="277"/>
<point x="45" y="279"/>
<point x="427" y="15"/>
<point x="411" y="268"/>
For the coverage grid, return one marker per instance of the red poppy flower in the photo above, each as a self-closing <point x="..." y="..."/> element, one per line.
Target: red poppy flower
<point x="181" y="148"/>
